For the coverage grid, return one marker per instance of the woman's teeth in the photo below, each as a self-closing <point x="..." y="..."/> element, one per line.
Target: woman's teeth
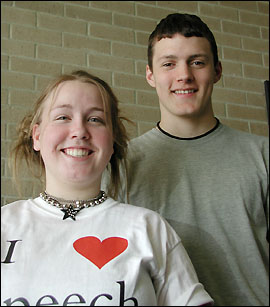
<point x="77" y="152"/>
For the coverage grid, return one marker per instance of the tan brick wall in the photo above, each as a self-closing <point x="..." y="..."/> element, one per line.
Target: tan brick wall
<point x="41" y="39"/>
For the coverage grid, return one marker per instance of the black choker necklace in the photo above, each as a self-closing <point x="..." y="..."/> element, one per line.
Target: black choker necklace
<point x="72" y="207"/>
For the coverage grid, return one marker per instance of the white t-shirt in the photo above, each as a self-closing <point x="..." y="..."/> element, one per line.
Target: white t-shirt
<point x="113" y="255"/>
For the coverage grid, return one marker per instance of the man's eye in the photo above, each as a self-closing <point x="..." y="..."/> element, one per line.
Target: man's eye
<point x="197" y="63"/>
<point x="167" y="64"/>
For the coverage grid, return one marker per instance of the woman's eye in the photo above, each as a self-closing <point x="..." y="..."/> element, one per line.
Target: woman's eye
<point x="62" y="117"/>
<point x="96" y="120"/>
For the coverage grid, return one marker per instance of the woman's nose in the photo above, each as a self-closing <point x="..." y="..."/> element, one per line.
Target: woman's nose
<point x="80" y="130"/>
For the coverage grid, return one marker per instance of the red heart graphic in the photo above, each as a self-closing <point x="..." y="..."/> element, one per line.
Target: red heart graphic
<point x="100" y="252"/>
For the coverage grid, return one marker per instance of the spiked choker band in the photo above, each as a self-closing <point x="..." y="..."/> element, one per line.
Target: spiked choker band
<point x="72" y="207"/>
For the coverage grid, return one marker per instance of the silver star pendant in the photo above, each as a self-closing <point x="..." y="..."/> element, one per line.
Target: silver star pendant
<point x="70" y="212"/>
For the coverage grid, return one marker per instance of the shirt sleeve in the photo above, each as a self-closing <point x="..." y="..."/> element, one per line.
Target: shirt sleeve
<point x="180" y="287"/>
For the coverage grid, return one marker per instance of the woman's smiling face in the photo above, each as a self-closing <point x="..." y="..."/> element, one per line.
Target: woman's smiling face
<point x="73" y="137"/>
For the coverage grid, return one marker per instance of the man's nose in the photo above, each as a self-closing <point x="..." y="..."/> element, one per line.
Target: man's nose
<point x="184" y="73"/>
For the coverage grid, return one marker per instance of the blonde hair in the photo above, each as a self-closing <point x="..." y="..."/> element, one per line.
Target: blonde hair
<point x="23" y="146"/>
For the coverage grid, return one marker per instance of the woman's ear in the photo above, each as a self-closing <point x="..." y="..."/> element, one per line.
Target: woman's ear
<point x="36" y="137"/>
<point x="150" y="77"/>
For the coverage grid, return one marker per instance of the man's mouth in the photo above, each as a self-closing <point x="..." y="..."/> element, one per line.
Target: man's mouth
<point x="74" y="152"/>
<point x="184" y="91"/>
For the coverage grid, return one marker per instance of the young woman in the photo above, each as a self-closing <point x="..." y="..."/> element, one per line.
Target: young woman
<point x="74" y="244"/>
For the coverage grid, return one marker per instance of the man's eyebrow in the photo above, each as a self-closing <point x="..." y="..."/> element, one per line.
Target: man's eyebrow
<point x="199" y="55"/>
<point x="169" y="56"/>
<point x="191" y="57"/>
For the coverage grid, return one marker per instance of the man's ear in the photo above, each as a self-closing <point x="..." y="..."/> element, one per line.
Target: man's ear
<point x="149" y="76"/>
<point x="36" y="137"/>
<point x="218" y="72"/>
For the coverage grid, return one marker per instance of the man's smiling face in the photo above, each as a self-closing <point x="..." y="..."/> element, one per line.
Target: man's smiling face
<point x="183" y="74"/>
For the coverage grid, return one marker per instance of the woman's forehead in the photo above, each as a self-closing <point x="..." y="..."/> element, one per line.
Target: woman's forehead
<point x="67" y="90"/>
<point x="59" y="95"/>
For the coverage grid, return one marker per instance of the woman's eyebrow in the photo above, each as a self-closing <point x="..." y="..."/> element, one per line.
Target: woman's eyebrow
<point x="62" y="106"/>
<point x="69" y="106"/>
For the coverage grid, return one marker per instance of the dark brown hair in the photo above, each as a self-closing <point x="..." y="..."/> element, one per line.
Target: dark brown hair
<point x="184" y="24"/>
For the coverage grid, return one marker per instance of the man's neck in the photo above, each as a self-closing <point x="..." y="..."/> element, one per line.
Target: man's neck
<point x="187" y="127"/>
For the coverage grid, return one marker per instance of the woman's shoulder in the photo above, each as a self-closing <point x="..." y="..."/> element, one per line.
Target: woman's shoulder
<point x="16" y="205"/>
<point x="152" y="220"/>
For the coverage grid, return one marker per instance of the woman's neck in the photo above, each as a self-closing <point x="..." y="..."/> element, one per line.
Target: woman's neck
<point x="71" y="192"/>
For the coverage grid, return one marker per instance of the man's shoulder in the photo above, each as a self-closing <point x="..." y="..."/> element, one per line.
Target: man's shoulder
<point x="251" y="143"/>
<point x="244" y="135"/>
<point x="142" y="140"/>
<point x="150" y="134"/>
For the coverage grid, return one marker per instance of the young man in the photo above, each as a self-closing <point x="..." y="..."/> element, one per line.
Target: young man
<point x="208" y="180"/>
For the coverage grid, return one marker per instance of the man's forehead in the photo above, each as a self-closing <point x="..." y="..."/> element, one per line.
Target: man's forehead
<point x="181" y="38"/>
<point x="172" y="48"/>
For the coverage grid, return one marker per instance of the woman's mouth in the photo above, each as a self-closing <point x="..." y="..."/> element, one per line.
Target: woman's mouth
<point x="77" y="152"/>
